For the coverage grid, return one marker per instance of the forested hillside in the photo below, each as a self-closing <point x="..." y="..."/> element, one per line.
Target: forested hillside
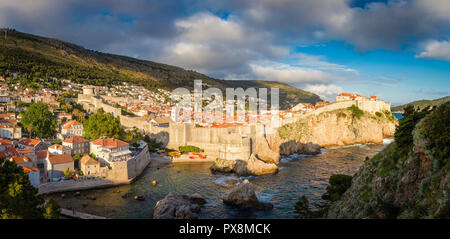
<point x="35" y="57"/>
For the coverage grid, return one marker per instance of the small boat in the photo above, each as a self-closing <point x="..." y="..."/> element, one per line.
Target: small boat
<point x="139" y="198"/>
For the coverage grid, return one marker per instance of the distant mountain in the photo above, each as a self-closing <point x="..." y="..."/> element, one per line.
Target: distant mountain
<point x="422" y="104"/>
<point x="40" y="57"/>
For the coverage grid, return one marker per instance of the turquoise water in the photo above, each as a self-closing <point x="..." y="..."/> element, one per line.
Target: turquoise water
<point x="398" y="115"/>
<point x="297" y="175"/>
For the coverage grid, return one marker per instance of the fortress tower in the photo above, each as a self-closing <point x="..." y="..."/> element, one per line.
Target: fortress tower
<point x="88" y="90"/>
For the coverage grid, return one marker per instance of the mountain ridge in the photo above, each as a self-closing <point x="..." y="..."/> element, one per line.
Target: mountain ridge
<point x="422" y="103"/>
<point x="39" y="57"/>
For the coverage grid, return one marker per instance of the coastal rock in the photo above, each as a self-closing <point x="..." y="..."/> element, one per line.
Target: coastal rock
<point x="175" y="206"/>
<point x="255" y="166"/>
<point x="333" y="128"/>
<point x="223" y="166"/>
<point x="265" y="153"/>
<point x="243" y="195"/>
<point x="294" y="147"/>
<point x="251" y="166"/>
<point x="289" y="147"/>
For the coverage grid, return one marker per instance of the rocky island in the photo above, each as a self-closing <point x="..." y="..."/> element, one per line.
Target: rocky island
<point x="175" y="206"/>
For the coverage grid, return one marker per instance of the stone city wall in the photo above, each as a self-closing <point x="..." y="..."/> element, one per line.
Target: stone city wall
<point x="138" y="164"/>
<point x="215" y="141"/>
<point x="126" y="171"/>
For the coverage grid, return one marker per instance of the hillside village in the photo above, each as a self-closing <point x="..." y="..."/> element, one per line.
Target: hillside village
<point x="68" y="155"/>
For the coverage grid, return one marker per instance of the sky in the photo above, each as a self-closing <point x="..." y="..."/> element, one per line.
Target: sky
<point x="398" y="50"/>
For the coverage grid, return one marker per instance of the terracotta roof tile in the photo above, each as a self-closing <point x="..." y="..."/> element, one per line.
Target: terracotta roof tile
<point x="20" y="159"/>
<point x="76" y="140"/>
<point x="25" y="151"/>
<point x="70" y="123"/>
<point x="29" y="142"/>
<point x="5" y="142"/>
<point x="41" y="154"/>
<point x="109" y="142"/>
<point x="60" y="158"/>
<point x="29" y="170"/>
<point x="87" y="160"/>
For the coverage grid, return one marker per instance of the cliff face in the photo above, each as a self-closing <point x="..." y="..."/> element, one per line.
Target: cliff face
<point x="408" y="179"/>
<point x="337" y="128"/>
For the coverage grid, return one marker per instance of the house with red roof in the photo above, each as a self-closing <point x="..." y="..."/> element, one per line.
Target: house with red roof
<point x="27" y="152"/>
<point x="77" y="144"/>
<point x="23" y="161"/>
<point x="9" y="152"/>
<point x="71" y="128"/>
<point x="344" y="97"/>
<point x="110" y="150"/>
<point x="11" y="131"/>
<point x="4" y="144"/>
<point x="55" y="165"/>
<point x="305" y="107"/>
<point x="33" y="144"/>
<point x="356" y="96"/>
<point x="33" y="176"/>
<point x="89" y="166"/>
<point x="321" y="103"/>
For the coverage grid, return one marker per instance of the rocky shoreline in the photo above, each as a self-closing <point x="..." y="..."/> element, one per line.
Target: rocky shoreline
<point x="249" y="167"/>
<point x="176" y="206"/>
<point x="243" y="195"/>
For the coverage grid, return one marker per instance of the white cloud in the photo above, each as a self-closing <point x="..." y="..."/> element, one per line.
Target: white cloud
<point x="287" y="73"/>
<point x="320" y="62"/>
<point x="325" y="91"/>
<point x="219" y="46"/>
<point x="436" y="50"/>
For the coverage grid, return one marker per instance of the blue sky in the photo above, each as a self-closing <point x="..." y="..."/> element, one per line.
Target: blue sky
<point x="396" y="49"/>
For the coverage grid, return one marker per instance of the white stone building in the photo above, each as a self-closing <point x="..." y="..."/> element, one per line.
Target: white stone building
<point x="110" y="150"/>
<point x="55" y="165"/>
<point x="71" y="128"/>
<point x="59" y="149"/>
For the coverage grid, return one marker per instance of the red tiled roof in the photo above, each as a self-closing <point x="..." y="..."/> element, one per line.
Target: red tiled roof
<point x="29" y="142"/>
<point x="41" y="154"/>
<point x="10" y="151"/>
<point x="29" y="170"/>
<point x="60" y="158"/>
<point x="76" y="140"/>
<point x="87" y="160"/>
<point x="25" y="151"/>
<point x="69" y="124"/>
<point x="109" y="142"/>
<point x="345" y="94"/>
<point x="5" y="142"/>
<point x="20" y="159"/>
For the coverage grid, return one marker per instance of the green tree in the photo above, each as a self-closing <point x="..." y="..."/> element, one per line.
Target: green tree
<point x="403" y="133"/>
<point x="68" y="173"/>
<point x="339" y="183"/>
<point x="52" y="210"/>
<point x="102" y="124"/>
<point x="43" y="121"/>
<point x="79" y="115"/>
<point x="18" y="198"/>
